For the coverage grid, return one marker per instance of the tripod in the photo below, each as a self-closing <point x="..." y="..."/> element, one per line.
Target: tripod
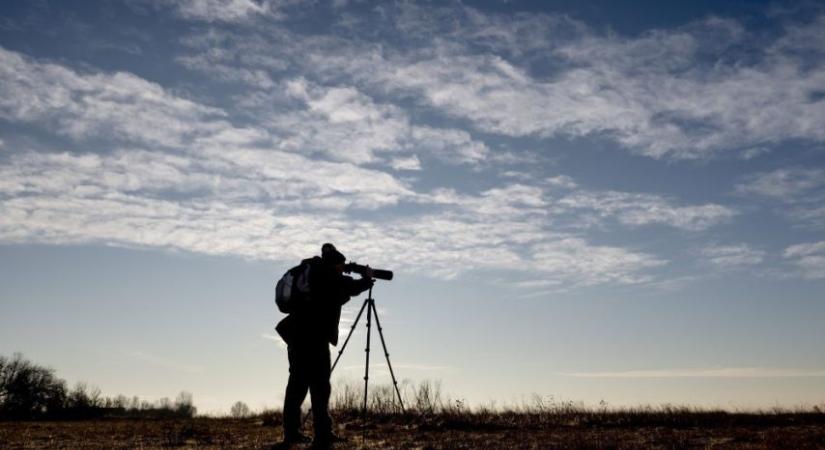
<point x="369" y="305"/>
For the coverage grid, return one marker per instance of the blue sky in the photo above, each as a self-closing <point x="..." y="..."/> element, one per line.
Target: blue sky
<point x="585" y="200"/>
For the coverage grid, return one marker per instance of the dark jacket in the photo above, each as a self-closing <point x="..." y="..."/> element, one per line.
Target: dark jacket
<point x="317" y="319"/>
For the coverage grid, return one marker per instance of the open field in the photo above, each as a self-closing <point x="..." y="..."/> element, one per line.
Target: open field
<point x="80" y="418"/>
<point x="659" y="429"/>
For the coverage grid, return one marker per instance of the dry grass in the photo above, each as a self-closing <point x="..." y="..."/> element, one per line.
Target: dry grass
<point x="431" y="422"/>
<point x="439" y="431"/>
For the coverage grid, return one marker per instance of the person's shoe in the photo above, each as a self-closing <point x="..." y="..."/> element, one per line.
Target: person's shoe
<point x="296" y="438"/>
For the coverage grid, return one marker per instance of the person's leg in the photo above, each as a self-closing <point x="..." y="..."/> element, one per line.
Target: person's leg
<point x="319" y="389"/>
<point x="296" y="391"/>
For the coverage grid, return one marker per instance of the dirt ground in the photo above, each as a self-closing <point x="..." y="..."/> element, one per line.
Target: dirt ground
<point x="204" y="433"/>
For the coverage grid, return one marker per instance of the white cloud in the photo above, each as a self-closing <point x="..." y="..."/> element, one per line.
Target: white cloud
<point x="119" y="105"/>
<point x="807" y="249"/>
<point x="783" y="184"/>
<point x="798" y="193"/>
<point x="562" y="181"/>
<point x="810" y="215"/>
<point x="225" y="72"/>
<point x="754" y="152"/>
<point x="249" y="62"/>
<point x="122" y="198"/>
<point x="124" y="106"/>
<point x="724" y="372"/>
<point x="647" y="209"/>
<point x="692" y="92"/>
<point x="581" y="208"/>
<point x="513" y="200"/>
<point x="282" y="206"/>
<point x="221" y="189"/>
<point x="235" y="188"/>
<point x="346" y="124"/>
<point x="269" y="177"/>
<point x="707" y="88"/>
<point x="574" y="258"/>
<point x="809" y="259"/>
<point x="342" y="123"/>
<point x="224" y="10"/>
<point x="449" y="144"/>
<point x="411" y="163"/>
<point x="732" y="256"/>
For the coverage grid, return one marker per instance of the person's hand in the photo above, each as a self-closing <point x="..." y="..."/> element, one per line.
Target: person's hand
<point x="368" y="283"/>
<point x="368" y="273"/>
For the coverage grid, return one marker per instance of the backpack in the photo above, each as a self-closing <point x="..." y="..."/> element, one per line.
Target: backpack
<point x="293" y="288"/>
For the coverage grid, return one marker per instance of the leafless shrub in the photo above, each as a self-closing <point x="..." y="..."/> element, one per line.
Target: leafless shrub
<point x="427" y="398"/>
<point x="239" y="410"/>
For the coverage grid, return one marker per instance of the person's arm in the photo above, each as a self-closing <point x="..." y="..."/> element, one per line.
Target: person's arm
<point x="348" y="287"/>
<point x="358" y="286"/>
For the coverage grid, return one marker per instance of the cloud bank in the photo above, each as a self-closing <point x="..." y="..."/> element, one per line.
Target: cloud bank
<point x="408" y="148"/>
<point x="705" y="89"/>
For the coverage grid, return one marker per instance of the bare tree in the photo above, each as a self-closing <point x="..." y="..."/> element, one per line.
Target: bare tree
<point x="239" y="410"/>
<point x="183" y="404"/>
<point x="28" y="390"/>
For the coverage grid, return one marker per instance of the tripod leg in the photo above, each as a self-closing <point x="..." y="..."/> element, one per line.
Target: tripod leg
<point x="386" y="354"/>
<point x="367" y="364"/>
<point x="351" y="330"/>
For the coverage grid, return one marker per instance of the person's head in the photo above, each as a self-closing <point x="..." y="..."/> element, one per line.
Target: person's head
<point x="332" y="257"/>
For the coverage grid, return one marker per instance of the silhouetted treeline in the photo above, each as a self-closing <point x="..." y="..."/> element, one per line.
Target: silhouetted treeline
<point x="30" y="392"/>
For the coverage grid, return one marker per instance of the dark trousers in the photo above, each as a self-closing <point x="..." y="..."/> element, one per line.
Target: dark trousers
<point x="309" y="369"/>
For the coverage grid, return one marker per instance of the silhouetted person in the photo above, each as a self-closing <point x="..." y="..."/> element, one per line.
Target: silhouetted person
<point x="308" y="331"/>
